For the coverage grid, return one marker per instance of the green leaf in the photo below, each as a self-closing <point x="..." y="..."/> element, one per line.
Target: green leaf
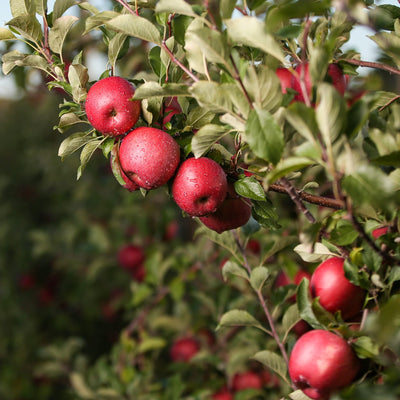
<point x="22" y="7"/>
<point x="238" y="318"/>
<point x="370" y="185"/>
<point x="73" y="142"/>
<point x="330" y="112"/>
<point x="280" y="243"/>
<point x="78" y="77"/>
<point x="298" y="395"/>
<point x="153" y="89"/>
<point x="265" y="214"/>
<point x="316" y="252"/>
<point x="289" y="165"/>
<point x="6" y="34"/>
<point x="227" y="7"/>
<point x="99" y="19"/>
<point x="290" y="318"/>
<point x="206" y="136"/>
<point x="59" y="31"/>
<point x="175" y="6"/>
<point x="258" y="277"/>
<point x="199" y="117"/>
<point x="250" y="31"/>
<point x="366" y="348"/>
<point x="87" y="153"/>
<point x="233" y="268"/>
<point x="273" y="361"/>
<point x="250" y="187"/>
<point x="344" y="233"/>
<point x="115" y="47"/>
<point x="60" y="6"/>
<point x="41" y="7"/>
<point x="264" y="136"/>
<point x="80" y="386"/>
<point x="28" y="27"/>
<point x="305" y="306"/>
<point x="135" y="26"/>
<point x="263" y="87"/>
<point x="212" y="96"/>
<point x="14" y="59"/>
<point x="150" y="344"/>
<point x="67" y="120"/>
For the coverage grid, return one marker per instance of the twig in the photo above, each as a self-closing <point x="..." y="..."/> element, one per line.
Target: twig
<point x="375" y="65"/>
<point x="126" y="6"/>
<point x="310" y="198"/>
<point x="237" y="77"/>
<point x="292" y="192"/>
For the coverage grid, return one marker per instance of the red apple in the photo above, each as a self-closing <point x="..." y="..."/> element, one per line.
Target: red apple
<point x="254" y="246"/>
<point x="184" y="349"/>
<point x="285" y="77"/>
<point x="321" y="362"/>
<point x="246" y="380"/>
<point x="149" y="157"/>
<point x="222" y="394"/>
<point x="130" y="257"/>
<point x="233" y="213"/>
<point x="378" y="232"/>
<point x="269" y="379"/>
<point x="26" y="281"/>
<point x="282" y="279"/>
<point x="335" y="73"/>
<point x="110" y="108"/>
<point x="139" y="273"/>
<point x="200" y="186"/>
<point x="335" y="291"/>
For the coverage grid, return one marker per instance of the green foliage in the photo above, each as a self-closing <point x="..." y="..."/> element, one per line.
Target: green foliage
<point x="321" y="175"/>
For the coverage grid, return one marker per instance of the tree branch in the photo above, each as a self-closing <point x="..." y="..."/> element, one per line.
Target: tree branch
<point x="375" y="65"/>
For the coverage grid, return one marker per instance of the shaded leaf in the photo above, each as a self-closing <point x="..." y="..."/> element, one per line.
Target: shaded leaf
<point x="60" y="6"/>
<point x="250" y="31"/>
<point x="289" y="165"/>
<point x="273" y="361"/>
<point x="250" y="187"/>
<point x="115" y="47"/>
<point x="304" y="305"/>
<point x="264" y="136"/>
<point x="59" y="31"/>
<point x="238" y="318"/>
<point x="28" y="27"/>
<point x="233" y="268"/>
<point x="290" y="318"/>
<point x="73" y="142"/>
<point x="258" y="277"/>
<point x="135" y="26"/>
<point x="203" y="140"/>
<point x="265" y="214"/>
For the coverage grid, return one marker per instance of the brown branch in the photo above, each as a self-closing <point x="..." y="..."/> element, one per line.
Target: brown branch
<point x="126" y="6"/>
<point x="310" y="198"/>
<point x="237" y="77"/>
<point x="375" y="65"/>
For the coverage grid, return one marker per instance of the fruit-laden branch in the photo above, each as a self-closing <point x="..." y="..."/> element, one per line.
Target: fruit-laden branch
<point x="309" y="198"/>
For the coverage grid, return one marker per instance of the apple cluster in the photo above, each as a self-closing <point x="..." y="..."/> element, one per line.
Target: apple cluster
<point x="149" y="157"/>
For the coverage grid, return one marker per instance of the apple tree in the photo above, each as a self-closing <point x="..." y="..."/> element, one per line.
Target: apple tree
<point x="255" y="121"/>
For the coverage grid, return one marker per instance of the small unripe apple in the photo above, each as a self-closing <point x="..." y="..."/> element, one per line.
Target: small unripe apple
<point x="285" y="77"/>
<point x="110" y="108"/>
<point x="130" y="257"/>
<point x="234" y="212"/>
<point x="200" y="186"/>
<point x="321" y="362"/>
<point x="246" y="380"/>
<point x="149" y="157"/>
<point x="335" y="291"/>
<point x="184" y="349"/>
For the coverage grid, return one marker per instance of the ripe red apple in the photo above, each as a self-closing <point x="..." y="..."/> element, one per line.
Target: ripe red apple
<point x="246" y="380"/>
<point x="139" y="273"/>
<point x="285" y="77"/>
<point x="335" y="291"/>
<point x="378" y="232"/>
<point x="26" y="281"/>
<point x="321" y="362"/>
<point x="149" y="157"/>
<point x="233" y="213"/>
<point x="269" y="379"/>
<point x="110" y="108"/>
<point x="184" y="349"/>
<point x="335" y="73"/>
<point x="254" y="246"/>
<point x="222" y="394"/>
<point x="130" y="257"/>
<point x="200" y="186"/>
